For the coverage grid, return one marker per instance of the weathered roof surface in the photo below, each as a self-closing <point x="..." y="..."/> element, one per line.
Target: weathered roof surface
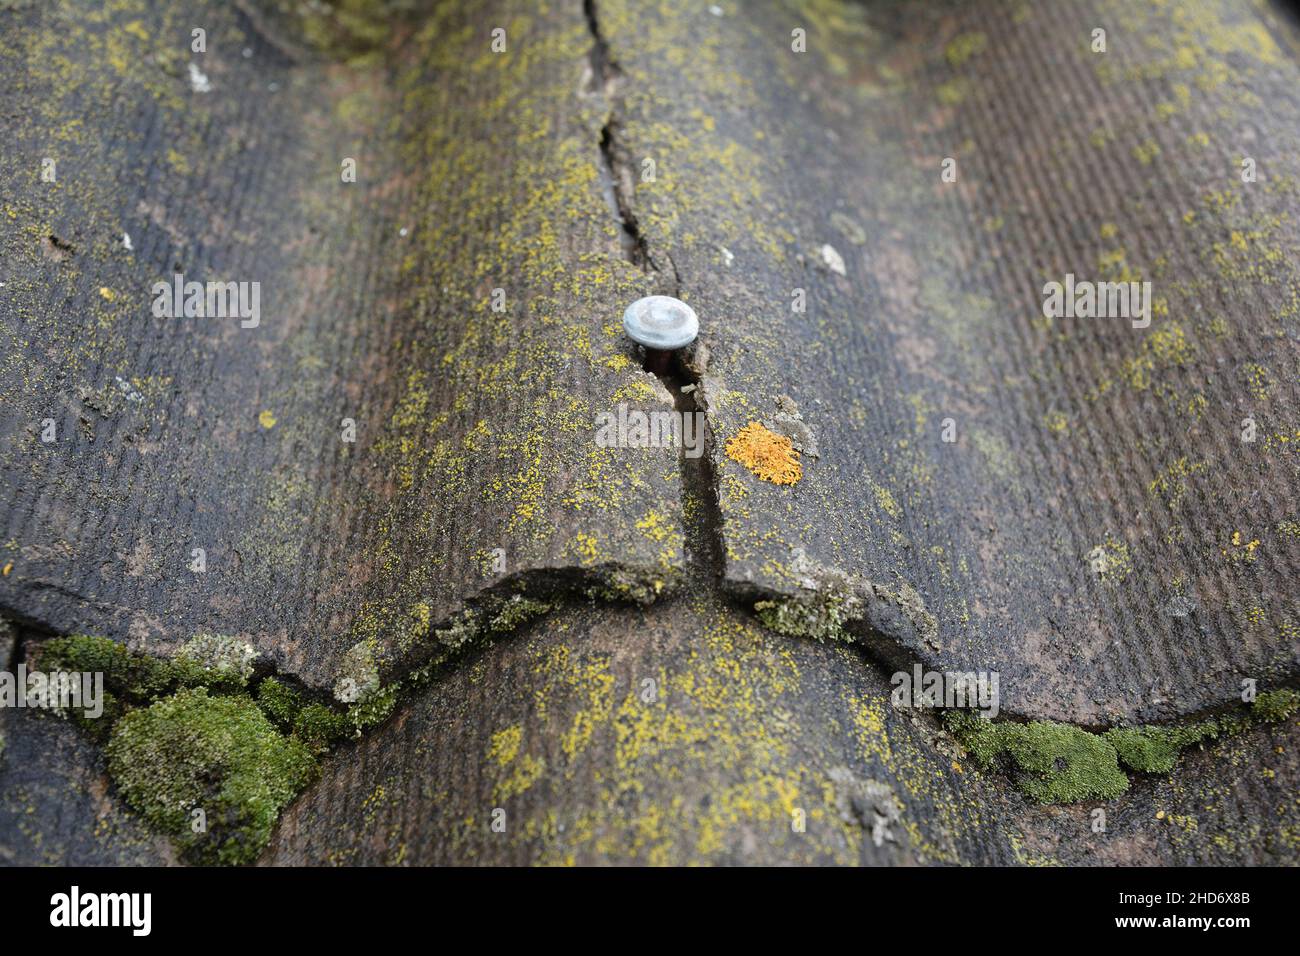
<point x="57" y="804"/>
<point x="474" y="463"/>
<point x="1098" y="532"/>
<point x="687" y="733"/>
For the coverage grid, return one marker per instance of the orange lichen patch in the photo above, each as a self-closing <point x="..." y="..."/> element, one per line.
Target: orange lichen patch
<point x="770" y="456"/>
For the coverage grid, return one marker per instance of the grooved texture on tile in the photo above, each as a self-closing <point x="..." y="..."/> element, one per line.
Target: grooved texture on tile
<point x="474" y="464"/>
<point x="1098" y="531"/>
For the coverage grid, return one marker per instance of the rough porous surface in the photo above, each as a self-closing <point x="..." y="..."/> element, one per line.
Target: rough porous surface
<point x="470" y="471"/>
<point x="690" y="733"/>
<point x="1097" y="531"/>
<point x="366" y="588"/>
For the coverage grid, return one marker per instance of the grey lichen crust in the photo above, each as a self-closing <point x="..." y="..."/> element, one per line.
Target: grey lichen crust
<point x="359" y="676"/>
<point x="832" y="605"/>
<point x="220" y="654"/>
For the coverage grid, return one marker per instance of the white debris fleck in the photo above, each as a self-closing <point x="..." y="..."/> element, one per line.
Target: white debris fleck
<point x="402" y="231"/>
<point x="199" y="82"/>
<point x="248" y="52"/>
<point x="834" y="261"/>
<point x="728" y="257"/>
<point x="715" y="10"/>
<point x="129" y="390"/>
<point x="126" y="241"/>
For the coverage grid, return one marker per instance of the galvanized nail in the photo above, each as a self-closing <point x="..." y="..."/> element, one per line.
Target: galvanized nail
<point x="662" y="325"/>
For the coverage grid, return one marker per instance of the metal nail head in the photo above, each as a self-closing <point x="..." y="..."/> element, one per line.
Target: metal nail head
<point x="662" y="324"/>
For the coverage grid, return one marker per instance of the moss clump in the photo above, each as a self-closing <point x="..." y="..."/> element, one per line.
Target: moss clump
<point x="239" y="755"/>
<point x="1063" y="764"/>
<point x="139" y="678"/>
<point x="319" y="727"/>
<point x="1053" y="763"/>
<point x="517" y="612"/>
<point x="220" y="755"/>
<point x="1156" y="749"/>
<point x="1276" y="705"/>
<point x="134" y="680"/>
<point x="1058" y="763"/>
<point x="822" y="617"/>
<point x="279" y="701"/>
<point x="134" y="676"/>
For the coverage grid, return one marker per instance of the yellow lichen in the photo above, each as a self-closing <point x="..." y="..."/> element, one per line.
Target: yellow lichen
<point x="768" y="455"/>
<point x="505" y="745"/>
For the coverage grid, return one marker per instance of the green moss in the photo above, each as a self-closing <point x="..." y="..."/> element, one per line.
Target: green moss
<point x="316" y="725"/>
<point x="130" y="675"/>
<point x="280" y="702"/>
<point x="1058" y="763"/>
<point x="1053" y="763"/>
<point x="981" y="738"/>
<point x="99" y="728"/>
<point x="820" y="618"/>
<point x="206" y="661"/>
<point x="517" y="612"/>
<point x="172" y="748"/>
<point x="1276" y="705"/>
<point x="220" y="755"/>
<point x="1063" y="764"/>
<point x="319" y="727"/>
<point x="1156" y="749"/>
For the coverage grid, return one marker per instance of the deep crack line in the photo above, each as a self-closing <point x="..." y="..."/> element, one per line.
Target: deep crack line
<point x="617" y="177"/>
<point x="701" y="513"/>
